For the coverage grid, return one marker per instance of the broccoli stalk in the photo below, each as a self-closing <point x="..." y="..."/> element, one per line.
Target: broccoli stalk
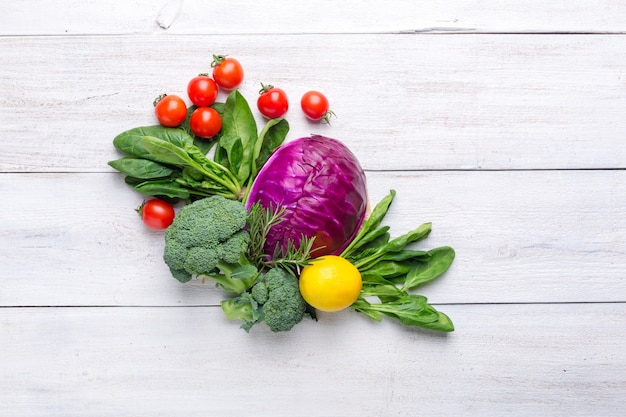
<point x="234" y="278"/>
<point x="274" y="299"/>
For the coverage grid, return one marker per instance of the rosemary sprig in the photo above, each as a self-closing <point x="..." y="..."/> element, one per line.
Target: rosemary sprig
<point x="292" y="258"/>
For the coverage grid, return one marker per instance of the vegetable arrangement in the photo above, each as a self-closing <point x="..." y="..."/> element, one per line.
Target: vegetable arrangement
<point x="281" y="228"/>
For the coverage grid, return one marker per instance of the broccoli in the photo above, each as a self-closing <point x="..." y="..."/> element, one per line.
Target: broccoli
<point x="208" y="239"/>
<point x="274" y="299"/>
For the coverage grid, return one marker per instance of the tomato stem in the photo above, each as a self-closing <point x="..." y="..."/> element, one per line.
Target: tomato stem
<point x="265" y="88"/>
<point x="217" y="60"/>
<point x="159" y="98"/>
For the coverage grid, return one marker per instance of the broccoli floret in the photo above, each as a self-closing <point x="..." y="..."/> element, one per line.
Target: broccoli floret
<point x="284" y="307"/>
<point x="208" y="238"/>
<point x="275" y="299"/>
<point x="260" y="292"/>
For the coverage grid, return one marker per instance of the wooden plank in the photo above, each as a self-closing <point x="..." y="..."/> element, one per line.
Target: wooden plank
<point x="514" y="360"/>
<point x="544" y="236"/>
<point x="437" y="102"/>
<point x="30" y="17"/>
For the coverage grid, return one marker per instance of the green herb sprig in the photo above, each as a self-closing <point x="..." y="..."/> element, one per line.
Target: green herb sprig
<point x="293" y="257"/>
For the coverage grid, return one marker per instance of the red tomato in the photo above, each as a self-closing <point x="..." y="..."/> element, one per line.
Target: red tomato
<point x="170" y="111"/>
<point x="156" y="214"/>
<point x="227" y="72"/>
<point x="272" y="102"/>
<point x="315" y="106"/>
<point x="205" y="122"/>
<point x="202" y="90"/>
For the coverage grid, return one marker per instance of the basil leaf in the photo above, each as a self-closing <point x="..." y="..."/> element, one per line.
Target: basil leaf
<point x="423" y="272"/>
<point x="141" y="168"/>
<point x="130" y="141"/>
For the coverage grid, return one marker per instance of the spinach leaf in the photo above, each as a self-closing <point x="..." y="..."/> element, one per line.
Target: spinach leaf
<point x="439" y="261"/>
<point x="407" y="255"/>
<point x="388" y="269"/>
<point x="166" y="152"/>
<point x="233" y="152"/>
<point x="130" y="141"/>
<point x="238" y="121"/>
<point x="369" y="225"/>
<point x="141" y="168"/>
<point x="165" y="187"/>
<point x="415" y="235"/>
<point x="271" y="137"/>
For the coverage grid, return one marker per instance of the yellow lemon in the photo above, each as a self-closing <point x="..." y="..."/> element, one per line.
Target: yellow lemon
<point x="330" y="283"/>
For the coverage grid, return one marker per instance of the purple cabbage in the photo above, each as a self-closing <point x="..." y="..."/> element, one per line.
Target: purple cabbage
<point x="322" y="186"/>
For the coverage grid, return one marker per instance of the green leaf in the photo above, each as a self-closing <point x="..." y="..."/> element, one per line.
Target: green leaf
<point x="389" y="269"/>
<point x="438" y="263"/>
<point x="415" y="235"/>
<point x="373" y="278"/>
<point x="372" y="222"/>
<point x="370" y="243"/>
<point x="244" y="272"/>
<point x="238" y="121"/>
<point x="442" y="324"/>
<point x="205" y="145"/>
<point x="271" y="137"/>
<point x="130" y="141"/>
<point x="232" y="146"/>
<point x="141" y="168"/>
<point x="166" y="187"/>
<point x="407" y="255"/>
<point x="385" y="292"/>
<point x="166" y="152"/>
<point x="380" y="210"/>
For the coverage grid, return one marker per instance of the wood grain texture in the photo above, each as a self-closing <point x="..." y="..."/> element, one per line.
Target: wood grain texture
<point x="514" y="360"/>
<point x="436" y="102"/>
<point x="543" y="236"/>
<point x="501" y="122"/>
<point x="31" y="17"/>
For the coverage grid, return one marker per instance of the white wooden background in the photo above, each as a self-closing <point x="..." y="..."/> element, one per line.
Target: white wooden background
<point x="502" y="122"/>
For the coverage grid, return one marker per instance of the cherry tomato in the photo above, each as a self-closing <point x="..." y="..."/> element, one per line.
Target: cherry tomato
<point x="315" y="106"/>
<point x="170" y="110"/>
<point x="227" y="72"/>
<point x="156" y="214"/>
<point x="202" y="90"/>
<point x="205" y="122"/>
<point x="272" y="102"/>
